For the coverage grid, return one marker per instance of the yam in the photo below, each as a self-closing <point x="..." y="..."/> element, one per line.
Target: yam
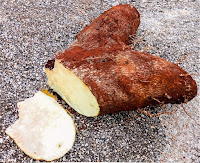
<point x="44" y="130"/>
<point x="100" y="74"/>
<point x="117" y="26"/>
<point x="102" y="80"/>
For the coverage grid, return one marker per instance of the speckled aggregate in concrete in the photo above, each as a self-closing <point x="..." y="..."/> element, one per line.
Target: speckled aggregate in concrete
<point x="31" y="32"/>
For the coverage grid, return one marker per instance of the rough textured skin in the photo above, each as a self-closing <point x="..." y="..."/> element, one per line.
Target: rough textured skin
<point x="114" y="26"/>
<point x="126" y="80"/>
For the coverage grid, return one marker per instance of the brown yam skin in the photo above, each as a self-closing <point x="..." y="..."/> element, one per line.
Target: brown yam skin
<point x="114" y="26"/>
<point x="126" y="80"/>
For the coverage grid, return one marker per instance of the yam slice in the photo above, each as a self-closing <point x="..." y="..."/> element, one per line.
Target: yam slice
<point x="44" y="130"/>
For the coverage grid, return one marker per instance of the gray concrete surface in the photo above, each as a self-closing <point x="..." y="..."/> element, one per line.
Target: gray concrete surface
<point x="31" y="32"/>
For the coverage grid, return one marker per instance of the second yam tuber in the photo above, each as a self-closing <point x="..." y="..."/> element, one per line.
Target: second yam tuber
<point x="117" y="26"/>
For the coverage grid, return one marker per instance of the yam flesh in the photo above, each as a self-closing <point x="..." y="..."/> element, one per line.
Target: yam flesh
<point x="44" y="130"/>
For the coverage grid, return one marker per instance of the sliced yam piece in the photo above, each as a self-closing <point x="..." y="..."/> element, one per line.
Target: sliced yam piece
<point x="72" y="90"/>
<point x="44" y="130"/>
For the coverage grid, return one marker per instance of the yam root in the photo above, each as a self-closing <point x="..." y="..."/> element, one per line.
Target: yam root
<point x="114" y="26"/>
<point x="101" y="81"/>
<point x="100" y="73"/>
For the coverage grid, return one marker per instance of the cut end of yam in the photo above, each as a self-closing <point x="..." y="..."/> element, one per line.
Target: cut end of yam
<point x="72" y="89"/>
<point x="44" y="130"/>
